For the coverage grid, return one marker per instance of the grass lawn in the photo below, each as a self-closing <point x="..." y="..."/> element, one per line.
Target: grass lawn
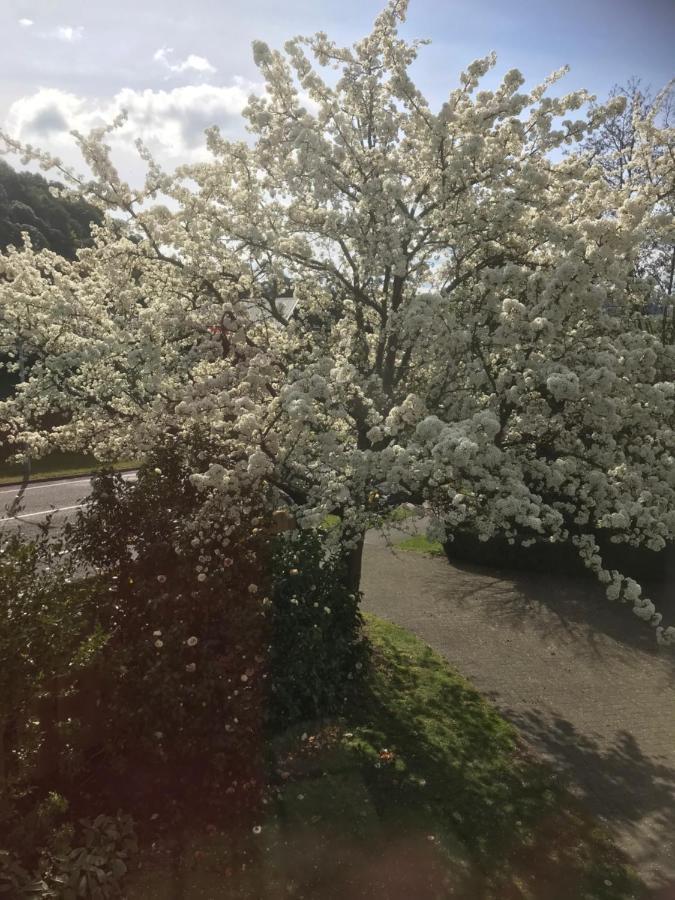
<point x="401" y="513"/>
<point x="420" y="791"/>
<point x="397" y="514"/>
<point x="419" y="543"/>
<point x="330" y="522"/>
<point x="57" y="465"/>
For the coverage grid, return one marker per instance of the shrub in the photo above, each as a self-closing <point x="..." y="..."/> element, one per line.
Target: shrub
<point x="48" y="631"/>
<point x="215" y="658"/>
<point x="92" y="870"/>
<point x="186" y="655"/>
<point x="318" y="648"/>
<point x="544" y="556"/>
<point x="175" y="644"/>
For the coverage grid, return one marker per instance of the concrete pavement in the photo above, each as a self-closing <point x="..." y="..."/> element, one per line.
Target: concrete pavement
<point x="580" y="677"/>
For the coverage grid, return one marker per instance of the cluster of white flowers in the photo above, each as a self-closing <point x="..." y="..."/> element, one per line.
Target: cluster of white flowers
<point x="563" y="385"/>
<point x="465" y="329"/>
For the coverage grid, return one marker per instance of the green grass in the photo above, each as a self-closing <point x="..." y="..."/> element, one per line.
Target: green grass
<point x="401" y="513"/>
<point x="419" y="543"/>
<point x="398" y="514"/>
<point x="420" y="790"/>
<point x="58" y="465"/>
<point x="330" y="522"/>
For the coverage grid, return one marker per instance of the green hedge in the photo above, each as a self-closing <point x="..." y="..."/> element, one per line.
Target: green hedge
<point x="318" y="650"/>
<point x="558" y="558"/>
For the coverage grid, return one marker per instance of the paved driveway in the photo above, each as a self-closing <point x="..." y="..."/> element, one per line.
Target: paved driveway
<point x="580" y="677"/>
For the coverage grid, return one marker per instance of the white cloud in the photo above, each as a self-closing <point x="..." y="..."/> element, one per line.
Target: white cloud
<point x="69" y="33"/>
<point x="26" y="23"/>
<point x="191" y="63"/>
<point x="171" y="123"/>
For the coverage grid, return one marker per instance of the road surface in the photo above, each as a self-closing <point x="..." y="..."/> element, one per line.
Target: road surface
<point x="62" y="498"/>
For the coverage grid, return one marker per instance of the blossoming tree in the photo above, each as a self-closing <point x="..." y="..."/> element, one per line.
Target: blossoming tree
<point x="455" y="337"/>
<point x="626" y="147"/>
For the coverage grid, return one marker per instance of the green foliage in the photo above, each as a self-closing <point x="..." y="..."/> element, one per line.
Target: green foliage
<point x="330" y="522"/>
<point x="188" y="640"/>
<point x="91" y="871"/>
<point x="291" y="650"/>
<point x="318" y="649"/>
<point x="401" y="513"/>
<point x="61" y="224"/>
<point x="47" y="628"/>
<point x="94" y="870"/>
<point x="186" y="658"/>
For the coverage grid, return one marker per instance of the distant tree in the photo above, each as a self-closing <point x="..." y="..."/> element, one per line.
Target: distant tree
<point x="58" y="223"/>
<point x="615" y="142"/>
<point x="624" y="148"/>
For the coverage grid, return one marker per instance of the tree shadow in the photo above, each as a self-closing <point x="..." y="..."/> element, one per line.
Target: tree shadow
<point x="632" y="792"/>
<point x="577" y="607"/>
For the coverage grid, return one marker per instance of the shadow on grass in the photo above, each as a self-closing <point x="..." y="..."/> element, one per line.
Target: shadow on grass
<point x="422" y="791"/>
<point x="526" y="834"/>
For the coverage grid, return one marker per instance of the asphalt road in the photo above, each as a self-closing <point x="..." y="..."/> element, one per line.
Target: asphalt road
<point x="62" y="498"/>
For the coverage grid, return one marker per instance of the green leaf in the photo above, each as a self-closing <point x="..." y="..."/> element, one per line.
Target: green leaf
<point x="118" y="868"/>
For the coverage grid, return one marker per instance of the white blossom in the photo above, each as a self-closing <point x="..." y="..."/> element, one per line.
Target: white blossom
<point x="467" y="329"/>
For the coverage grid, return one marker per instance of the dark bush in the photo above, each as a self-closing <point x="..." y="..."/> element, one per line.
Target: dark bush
<point x="156" y="654"/>
<point x="318" y="649"/>
<point x="543" y="556"/>
<point x="186" y="656"/>
<point x="73" y="865"/>
<point x="276" y="635"/>
<point x="48" y="629"/>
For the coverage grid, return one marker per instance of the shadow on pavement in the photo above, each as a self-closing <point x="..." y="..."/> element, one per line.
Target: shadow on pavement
<point x="632" y="792"/>
<point x="577" y="606"/>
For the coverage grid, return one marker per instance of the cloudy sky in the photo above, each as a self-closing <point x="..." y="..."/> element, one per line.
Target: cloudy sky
<point x="179" y="66"/>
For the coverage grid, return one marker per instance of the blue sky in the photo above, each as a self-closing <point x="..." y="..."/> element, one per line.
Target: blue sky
<point x="180" y="66"/>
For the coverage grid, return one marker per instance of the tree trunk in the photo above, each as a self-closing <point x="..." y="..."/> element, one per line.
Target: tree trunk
<point x="22" y="379"/>
<point x="353" y="561"/>
<point x="4" y="790"/>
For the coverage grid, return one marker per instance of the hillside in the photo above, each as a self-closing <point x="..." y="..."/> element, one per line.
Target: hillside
<point x="55" y="223"/>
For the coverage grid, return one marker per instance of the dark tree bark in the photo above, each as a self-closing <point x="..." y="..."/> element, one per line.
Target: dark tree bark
<point x="4" y="797"/>
<point x="353" y="563"/>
